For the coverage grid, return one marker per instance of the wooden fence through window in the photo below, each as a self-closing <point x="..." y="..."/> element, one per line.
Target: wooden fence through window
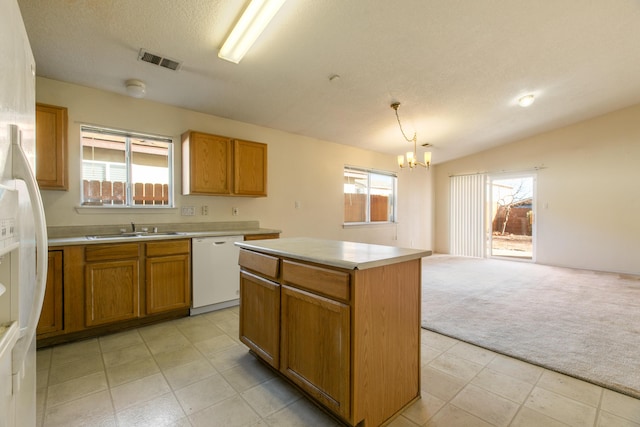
<point x="115" y="193"/>
<point x="355" y="206"/>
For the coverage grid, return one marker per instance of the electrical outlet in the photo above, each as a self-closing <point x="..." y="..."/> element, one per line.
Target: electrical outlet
<point x="205" y="210"/>
<point x="188" y="211"/>
<point x="234" y="211"/>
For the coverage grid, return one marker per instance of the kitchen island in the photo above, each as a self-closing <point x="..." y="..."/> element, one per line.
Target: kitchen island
<point x="340" y="320"/>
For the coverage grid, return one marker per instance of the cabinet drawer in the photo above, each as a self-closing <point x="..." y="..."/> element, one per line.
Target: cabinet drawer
<point x="108" y="252"/>
<point x="261" y="236"/>
<point x="260" y="263"/>
<point x="332" y="283"/>
<point x="167" y="247"/>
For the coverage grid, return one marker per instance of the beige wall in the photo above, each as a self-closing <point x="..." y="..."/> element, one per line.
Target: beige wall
<point x="300" y="169"/>
<point x="588" y="194"/>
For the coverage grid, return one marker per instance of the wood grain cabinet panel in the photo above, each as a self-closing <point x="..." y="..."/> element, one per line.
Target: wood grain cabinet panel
<point x="107" y="252"/>
<point x="250" y="168"/>
<point x="168" y="247"/>
<point x="51" y="147"/>
<point x="315" y="347"/>
<point x="220" y="166"/>
<point x="324" y="281"/>
<point x="168" y="277"/>
<point x="111" y="291"/>
<point x="266" y="265"/>
<point x="206" y="164"/>
<point x="261" y="236"/>
<point x="260" y="316"/>
<point x="51" y="316"/>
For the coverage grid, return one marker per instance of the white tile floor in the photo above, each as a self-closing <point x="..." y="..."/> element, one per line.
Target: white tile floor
<point x="195" y="372"/>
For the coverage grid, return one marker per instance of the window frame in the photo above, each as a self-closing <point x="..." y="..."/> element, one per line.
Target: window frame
<point x="394" y="196"/>
<point x="129" y="203"/>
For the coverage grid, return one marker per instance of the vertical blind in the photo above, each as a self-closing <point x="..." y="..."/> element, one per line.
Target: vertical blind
<point x="467" y="197"/>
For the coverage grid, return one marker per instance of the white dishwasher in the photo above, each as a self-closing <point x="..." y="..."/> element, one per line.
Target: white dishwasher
<point x="215" y="273"/>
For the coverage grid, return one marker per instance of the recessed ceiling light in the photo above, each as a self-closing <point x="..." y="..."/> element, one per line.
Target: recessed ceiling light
<point x="526" y="100"/>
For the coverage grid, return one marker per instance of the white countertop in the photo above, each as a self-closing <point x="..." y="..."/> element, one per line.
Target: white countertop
<point x="349" y="255"/>
<point x="84" y="240"/>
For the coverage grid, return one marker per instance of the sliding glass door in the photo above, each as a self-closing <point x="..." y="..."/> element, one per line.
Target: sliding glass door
<point x="511" y="216"/>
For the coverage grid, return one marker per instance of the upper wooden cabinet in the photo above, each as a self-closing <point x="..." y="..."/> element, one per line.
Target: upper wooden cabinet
<point x="206" y="164"/>
<point x="51" y="147"/>
<point x="249" y="168"/>
<point x="218" y="165"/>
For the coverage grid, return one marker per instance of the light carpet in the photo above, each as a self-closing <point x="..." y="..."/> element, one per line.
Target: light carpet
<point x="581" y="323"/>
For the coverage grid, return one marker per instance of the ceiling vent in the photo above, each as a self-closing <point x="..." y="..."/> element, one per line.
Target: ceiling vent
<point x="161" y="61"/>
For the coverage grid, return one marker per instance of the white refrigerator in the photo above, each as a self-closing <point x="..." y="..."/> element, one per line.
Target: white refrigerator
<point x="22" y="225"/>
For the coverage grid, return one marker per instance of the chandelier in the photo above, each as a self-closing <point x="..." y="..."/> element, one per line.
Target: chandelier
<point x="410" y="157"/>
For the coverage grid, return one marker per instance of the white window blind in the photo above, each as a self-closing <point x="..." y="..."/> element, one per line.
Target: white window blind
<point x="467" y="233"/>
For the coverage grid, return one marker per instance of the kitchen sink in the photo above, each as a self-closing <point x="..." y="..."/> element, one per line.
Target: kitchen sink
<point x="134" y="234"/>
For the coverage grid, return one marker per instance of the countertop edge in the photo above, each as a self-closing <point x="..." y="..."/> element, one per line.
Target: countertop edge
<point x="336" y="262"/>
<point x="83" y="240"/>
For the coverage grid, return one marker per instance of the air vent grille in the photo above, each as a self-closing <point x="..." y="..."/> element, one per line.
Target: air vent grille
<point x="159" y="60"/>
<point x="170" y="64"/>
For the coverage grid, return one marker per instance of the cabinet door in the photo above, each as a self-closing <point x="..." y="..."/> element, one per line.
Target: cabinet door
<point x="168" y="284"/>
<point x="250" y="168"/>
<point x="315" y="347"/>
<point x="206" y="164"/>
<point x="111" y="292"/>
<point x="51" y="147"/>
<point x="260" y="316"/>
<point x="51" y="316"/>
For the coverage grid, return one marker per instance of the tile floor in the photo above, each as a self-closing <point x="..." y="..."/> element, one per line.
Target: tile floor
<point x="195" y="372"/>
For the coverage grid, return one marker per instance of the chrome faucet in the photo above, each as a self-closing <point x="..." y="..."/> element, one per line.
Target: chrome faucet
<point x="133" y="227"/>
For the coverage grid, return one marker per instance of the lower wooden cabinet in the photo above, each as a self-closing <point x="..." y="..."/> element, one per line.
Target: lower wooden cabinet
<point x="260" y="300"/>
<point x="99" y="288"/>
<point x="112" y="290"/>
<point x="168" y="283"/>
<point x="112" y="283"/>
<point x="51" y="316"/>
<point x="305" y="335"/>
<point x="315" y="347"/>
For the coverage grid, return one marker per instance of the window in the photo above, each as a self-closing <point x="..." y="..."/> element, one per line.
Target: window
<point x="369" y="196"/>
<point x="127" y="169"/>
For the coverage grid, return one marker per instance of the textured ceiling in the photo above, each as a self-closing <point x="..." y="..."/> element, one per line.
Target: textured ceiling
<point x="457" y="66"/>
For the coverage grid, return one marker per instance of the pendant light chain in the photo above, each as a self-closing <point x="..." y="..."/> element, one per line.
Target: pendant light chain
<point x="395" y="107"/>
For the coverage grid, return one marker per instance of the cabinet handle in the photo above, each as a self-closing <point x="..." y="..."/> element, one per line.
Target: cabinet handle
<point x="22" y="171"/>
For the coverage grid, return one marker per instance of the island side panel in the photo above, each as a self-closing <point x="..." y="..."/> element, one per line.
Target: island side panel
<point x="386" y="340"/>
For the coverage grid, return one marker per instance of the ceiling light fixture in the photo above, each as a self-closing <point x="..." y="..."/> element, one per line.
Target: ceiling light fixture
<point x="136" y="88"/>
<point x="411" y="159"/>
<point x="253" y="21"/>
<point x="526" y="100"/>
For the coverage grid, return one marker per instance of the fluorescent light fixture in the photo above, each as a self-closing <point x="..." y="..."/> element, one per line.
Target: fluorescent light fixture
<point x="253" y="21"/>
